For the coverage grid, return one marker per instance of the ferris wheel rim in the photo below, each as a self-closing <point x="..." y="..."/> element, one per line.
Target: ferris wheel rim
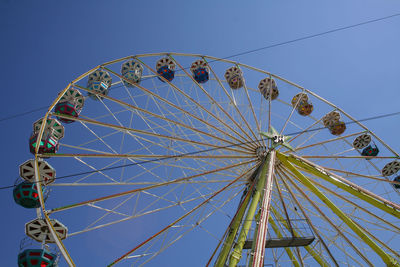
<point x="72" y="84"/>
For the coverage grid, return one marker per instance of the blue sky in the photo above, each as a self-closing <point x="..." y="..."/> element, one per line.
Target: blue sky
<point x="46" y="44"/>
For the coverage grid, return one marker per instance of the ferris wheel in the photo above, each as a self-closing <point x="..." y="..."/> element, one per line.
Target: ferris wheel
<point x="173" y="159"/>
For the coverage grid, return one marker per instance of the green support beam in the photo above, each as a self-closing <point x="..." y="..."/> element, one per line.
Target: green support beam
<point x="237" y="251"/>
<point x="260" y="237"/>
<point x="237" y="220"/>
<point x="233" y="229"/>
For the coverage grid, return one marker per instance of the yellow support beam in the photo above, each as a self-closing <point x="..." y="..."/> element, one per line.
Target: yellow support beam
<point x="389" y="261"/>
<point x="386" y="206"/>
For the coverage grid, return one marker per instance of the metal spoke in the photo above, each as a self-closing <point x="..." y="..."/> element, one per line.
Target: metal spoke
<point x="179" y="219"/>
<point x="147" y="188"/>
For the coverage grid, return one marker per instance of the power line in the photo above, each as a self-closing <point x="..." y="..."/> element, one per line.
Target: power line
<point x="203" y="151"/>
<point x="314" y="35"/>
<point x="23" y="113"/>
<point x="248" y="52"/>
